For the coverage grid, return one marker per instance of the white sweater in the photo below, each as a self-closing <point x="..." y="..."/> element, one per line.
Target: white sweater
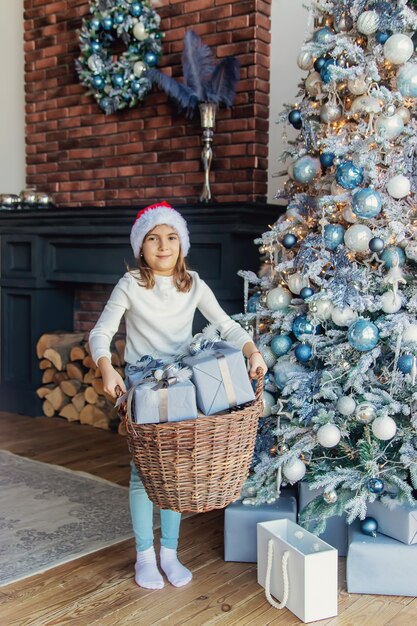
<point x="159" y="320"/>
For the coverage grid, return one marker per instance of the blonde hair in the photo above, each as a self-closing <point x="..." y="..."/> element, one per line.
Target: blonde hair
<point x="145" y="276"/>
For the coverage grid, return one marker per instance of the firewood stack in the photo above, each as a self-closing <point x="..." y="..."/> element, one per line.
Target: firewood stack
<point x="72" y="386"/>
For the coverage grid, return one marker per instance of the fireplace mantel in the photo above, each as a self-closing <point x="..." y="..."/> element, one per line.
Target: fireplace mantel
<point x="46" y="253"/>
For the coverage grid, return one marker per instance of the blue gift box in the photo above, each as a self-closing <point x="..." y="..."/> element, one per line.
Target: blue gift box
<point x="399" y="522"/>
<point x="240" y="522"/>
<point x="336" y="527"/>
<point x="380" y="565"/>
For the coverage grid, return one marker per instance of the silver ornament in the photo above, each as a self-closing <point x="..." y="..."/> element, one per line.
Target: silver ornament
<point x="313" y="84"/>
<point x="330" y="496"/>
<point x="330" y="112"/>
<point x="95" y="63"/>
<point x="398" y="49"/>
<point x="344" y="24"/>
<point x="305" y="61"/>
<point x="358" y="85"/>
<point x="390" y="109"/>
<point x="389" y="127"/>
<point x="278" y="299"/>
<point x="268" y="356"/>
<point x="365" y="412"/>
<point x="368" y="22"/>
<point x="411" y="251"/>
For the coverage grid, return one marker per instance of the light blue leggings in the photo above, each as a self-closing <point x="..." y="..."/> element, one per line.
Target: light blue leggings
<point x="141" y="511"/>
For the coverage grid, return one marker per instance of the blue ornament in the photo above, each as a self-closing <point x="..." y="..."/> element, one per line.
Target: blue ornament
<point x="150" y="58"/>
<point x="405" y="363"/>
<point x="318" y="63"/>
<point x="289" y="241"/>
<point x="369" y="526"/>
<point x="136" y="9"/>
<point x="135" y="86"/>
<point x="253" y="302"/>
<point x="105" y="104"/>
<point x="382" y="36"/>
<point x="348" y="175"/>
<point x="323" y="35"/>
<point x="281" y="344"/>
<point x="303" y="352"/>
<point x="306" y="292"/>
<point x="107" y="22"/>
<point x="98" y="81"/>
<point x="118" y="80"/>
<point x="393" y="256"/>
<point x="294" y="117"/>
<point x="375" y="485"/>
<point x="333" y="236"/>
<point x="325" y="72"/>
<point x="302" y="326"/>
<point x="376" y="244"/>
<point x="366" y="203"/>
<point x="363" y="335"/>
<point x="407" y="80"/>
<point x="95" y="23"/>
<point x="95" y="46"/>
<point x="327" y="159"/>
<point x="119" y="18"/>
<point x="306" y="168"/>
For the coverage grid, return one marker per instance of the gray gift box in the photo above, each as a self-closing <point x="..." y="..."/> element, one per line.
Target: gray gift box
<point x="380" y="565"/>
<point x="240" y="522"/>
<point x="336" y="527"/>
<point x="153" y="404"/>
<point x="399" y="523"/>
<point x="220" y="377"/>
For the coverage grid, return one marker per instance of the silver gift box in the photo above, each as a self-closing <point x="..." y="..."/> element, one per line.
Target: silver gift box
<point x="399" y="522"/>
<point x="153" y="404"/>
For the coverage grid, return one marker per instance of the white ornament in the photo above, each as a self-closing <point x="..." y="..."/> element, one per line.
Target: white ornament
<point x="305" y="61"/>
<point x="349" y="216"/>
<point x="139" y="31"/>
<point x="268" y="356"/>
<point x="390" y="302"/>
<point x="296" y="282"/>
<point x="389" y="126"/>
<point x="313" y="84"/>
<point x="384" y="427"/>
<point x="268" y="401"/>
<point x="358" y="86"/>
<point x="398" y="49"/>
<point x="328" y="435"/>
<point x="278" y="299"/>
<point x="405" y="114"/>
<point x="398" y="186"/>
<point x="330" y="112"/>
<point x="410" y="333"/>
<point x="346" y="405"/>
<point x="365" y="104"/>
<point x="95" y="63"/>
<point x="138" y="68"/>
<point x="321" y="309"/>
<point x="294" y="470"/>
<point x="357" y="237"/>
<point x="368" y="22"/>
<point x="343" y="317"/>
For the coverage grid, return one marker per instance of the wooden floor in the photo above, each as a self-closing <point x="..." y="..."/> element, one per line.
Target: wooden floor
<point x="99" y="589"/>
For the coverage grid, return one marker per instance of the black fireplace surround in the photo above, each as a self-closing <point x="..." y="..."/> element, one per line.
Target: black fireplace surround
<point x="47" y="253"/>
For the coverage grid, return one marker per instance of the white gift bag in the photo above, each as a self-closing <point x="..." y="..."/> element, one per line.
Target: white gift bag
<point x="297" y="568"/>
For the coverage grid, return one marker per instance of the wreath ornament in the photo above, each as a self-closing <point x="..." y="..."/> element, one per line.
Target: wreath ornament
<point x="118" y="80"/>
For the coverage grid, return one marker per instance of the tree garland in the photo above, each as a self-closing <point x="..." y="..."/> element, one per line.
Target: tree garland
<point x="118" y="82"/>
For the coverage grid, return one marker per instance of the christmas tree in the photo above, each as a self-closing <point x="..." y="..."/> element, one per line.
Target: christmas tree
<point x="334" y="308"/>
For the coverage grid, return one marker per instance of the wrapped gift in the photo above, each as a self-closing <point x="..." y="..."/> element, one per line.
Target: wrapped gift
<point x="298" y="569"/>
<point x="335" y="533"/>
<point x="399" y="522"/>
<point x="380" y="565"/>
<point x="221" y="378"/>
<point x="240" y="522"/>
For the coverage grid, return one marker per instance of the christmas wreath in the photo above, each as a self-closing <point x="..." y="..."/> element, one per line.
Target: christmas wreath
<point x="118" y="44"/>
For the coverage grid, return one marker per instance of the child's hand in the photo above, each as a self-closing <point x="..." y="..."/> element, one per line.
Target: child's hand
<point x="256" y="360"/>
<point x="111" y="378"/>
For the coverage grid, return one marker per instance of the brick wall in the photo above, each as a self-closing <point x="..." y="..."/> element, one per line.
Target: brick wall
<point x="137" y="156"/>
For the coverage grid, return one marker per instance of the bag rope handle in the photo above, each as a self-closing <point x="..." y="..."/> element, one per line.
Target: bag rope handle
<point x="283" y="603"/>
<point x="259" y="384"/>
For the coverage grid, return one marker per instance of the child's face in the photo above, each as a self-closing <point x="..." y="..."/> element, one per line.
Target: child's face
<point x="161" y="248"/>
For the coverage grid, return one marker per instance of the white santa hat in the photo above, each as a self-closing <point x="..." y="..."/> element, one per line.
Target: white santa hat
<point x="154" y="215"/>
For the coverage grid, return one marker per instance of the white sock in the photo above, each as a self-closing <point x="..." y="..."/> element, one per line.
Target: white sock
<point x="147" y="574"/>
<point x="177" y="574"/>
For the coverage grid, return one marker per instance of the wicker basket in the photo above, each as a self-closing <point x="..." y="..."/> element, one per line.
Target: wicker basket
<point x="195" y="465"/>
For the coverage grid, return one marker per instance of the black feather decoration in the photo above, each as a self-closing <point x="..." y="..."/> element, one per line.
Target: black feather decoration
<point x="222" y="86"/>
<point x="197" y="64"/>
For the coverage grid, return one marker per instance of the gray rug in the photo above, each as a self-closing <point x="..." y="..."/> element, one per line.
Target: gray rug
<point x="50" y="515"/>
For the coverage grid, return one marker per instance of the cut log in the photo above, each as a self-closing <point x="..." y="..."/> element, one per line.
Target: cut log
<point x="41" y="392"/>
<point x="78" y="401"/>
<point x="90" y="395"/>
<point x="48" y="375"/>
<point x="75" y="370"/>
<point x="57" y="398"/>
<point x="120" y="345"/>
<point x="86" y="347"/>
<point x="59" y="356"/>
<point x="97" y="384"/>
<point x="77" y="353"/>
<point x="70" y="413"/>
<point x="94" y="416"/>
<point x="44" y="364"/>
<point x="50" y="340"/>
<point x="48" y="409"/>
<point x="58" y="377"/>
<point x="71" y="387"/>
<point x="88" y="377"/>
<point x="88" y="361"/>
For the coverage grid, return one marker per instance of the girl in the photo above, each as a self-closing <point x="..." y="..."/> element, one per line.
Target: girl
<point x="159" y="300"/>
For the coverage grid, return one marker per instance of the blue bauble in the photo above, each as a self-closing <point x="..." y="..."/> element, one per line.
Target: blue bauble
<point x="281" y="344"/>
<point x="95" y="23"/>
<point x="135" y="86"/>
<point x="150" y="58"/>
<point x="327" y="159"/>
<point x="136" y="9"/>
<point x="393" y="256"/>
<point x="294" y="118"/>
<point x="407" y="80"/>
<point x="323" y="35"/>
<point x="306" y="168"/>
<point x="306" y="292"/>
<point x="302" y="326"/>
<point x="363" y="335"/>
<point x="318" y="63"/>
<point x="303" y="352"/>
<point x="382" y="36"/>
<point x="119" y="18"/>
<point x="105" y="103"/>
<point x="333" y="236"/>
<point x="98" y="81"/>
<point x="348" y="175"/>
<point x="253" y="302"/>
<point x="95" y="46"/>
<point x="325" y="72"/>
<point x="375" y="485"/>
<point x="376" y="244"/>
<point x="107" y="23"/>
<point x="289" y="241"/>
<point x="118" y="80"/>
<point x="369" y="526"/>
<point x="405" y="363"/>
<point x="366" y="203"/>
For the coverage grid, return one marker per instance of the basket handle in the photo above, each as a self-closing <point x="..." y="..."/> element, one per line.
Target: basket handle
<point x="123" y="412"/>
<point x="259" y="384"/>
